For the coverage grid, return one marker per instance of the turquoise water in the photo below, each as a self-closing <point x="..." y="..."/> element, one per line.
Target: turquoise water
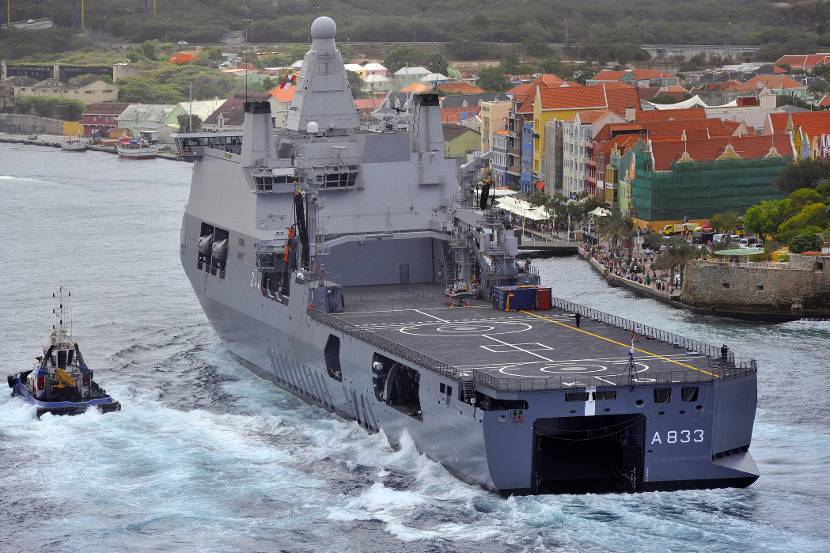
<point x="207" y="457"/>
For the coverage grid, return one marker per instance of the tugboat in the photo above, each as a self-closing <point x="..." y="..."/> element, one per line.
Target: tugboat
<point x="131" y="148"/>
<point x="60" y="382"/>
<point x="74" y="144"/>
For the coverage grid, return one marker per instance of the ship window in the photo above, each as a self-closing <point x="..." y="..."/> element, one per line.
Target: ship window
<point x="449" y="390"/>
<point x="487" y="403"/>
<point x="662" y="395"/>
<point x="689" y="393"/>
<point x="402" y="388"/>
<point x="443" y="388"/>
<point x="606" y="394"/>
<point x="332" y="356"/>
<point x="576" y="396"/>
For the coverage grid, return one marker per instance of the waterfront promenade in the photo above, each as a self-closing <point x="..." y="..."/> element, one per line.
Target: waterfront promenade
<point x="638" y="275"/>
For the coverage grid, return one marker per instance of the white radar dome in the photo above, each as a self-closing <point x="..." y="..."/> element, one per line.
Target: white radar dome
<point x="323" y="27"/>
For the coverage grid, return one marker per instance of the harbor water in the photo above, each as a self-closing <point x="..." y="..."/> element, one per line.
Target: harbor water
<point x="206" y="456"/>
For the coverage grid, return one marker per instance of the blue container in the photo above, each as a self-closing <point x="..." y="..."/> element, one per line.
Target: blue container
<point x="515" y="297"/>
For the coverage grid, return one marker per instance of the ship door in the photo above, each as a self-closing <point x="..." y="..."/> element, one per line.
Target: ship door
<point x="403" y="271"/>
<point x="600" y="454"/>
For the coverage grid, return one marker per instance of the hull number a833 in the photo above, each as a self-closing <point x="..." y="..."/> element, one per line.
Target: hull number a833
<point x="678" y="437"/>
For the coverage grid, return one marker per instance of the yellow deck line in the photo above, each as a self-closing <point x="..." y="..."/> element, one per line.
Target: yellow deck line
<point x="657" y="355"/>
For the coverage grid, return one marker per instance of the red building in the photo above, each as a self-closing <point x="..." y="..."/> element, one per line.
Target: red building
<point x="102" y="117"/>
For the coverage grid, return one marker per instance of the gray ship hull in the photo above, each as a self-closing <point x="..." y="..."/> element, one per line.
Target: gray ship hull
<point x="675" y="445"/>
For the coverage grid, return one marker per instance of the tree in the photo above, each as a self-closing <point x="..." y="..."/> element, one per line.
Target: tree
<point x="618" y="230"/>
<point x="725" y="222"/>
<point x="491" y="78"/>
<point x="806" y="173"/>
<point x="764" y="218"/>
<point x="185" y="124"/>
<point x="356" y="84"/>
<point x="150" y="49"/>
<point x="677" y="255"/>
<point x="811" y="215"/>
<point x="402" y="56"/>
<point x="438" y="64"/>
<point x="805" y="243"/>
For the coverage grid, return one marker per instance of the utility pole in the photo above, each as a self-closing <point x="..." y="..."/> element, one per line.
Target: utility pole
<point x="492" y="39"/>
<point x="8" y="14"/>
<point x="645" y="40"/>
<point x="83" y="16"/>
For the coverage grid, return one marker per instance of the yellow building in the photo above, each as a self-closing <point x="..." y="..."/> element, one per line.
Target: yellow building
<point x="493" y="117"/>
<point x="565" y="101"/>
<point x="560" y="103"/>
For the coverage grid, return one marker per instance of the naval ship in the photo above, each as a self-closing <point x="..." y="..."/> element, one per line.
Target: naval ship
<point x="321" y="252"/>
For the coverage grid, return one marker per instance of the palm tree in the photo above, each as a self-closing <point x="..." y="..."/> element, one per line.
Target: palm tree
<point x="618" y="230"/>
<point x="677" y="255"/>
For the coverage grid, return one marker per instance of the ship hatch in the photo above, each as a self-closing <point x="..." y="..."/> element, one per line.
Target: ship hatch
<point x="598" y="454"/>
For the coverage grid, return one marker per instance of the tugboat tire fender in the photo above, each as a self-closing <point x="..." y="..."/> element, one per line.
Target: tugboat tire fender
<point x="11" y="379"/>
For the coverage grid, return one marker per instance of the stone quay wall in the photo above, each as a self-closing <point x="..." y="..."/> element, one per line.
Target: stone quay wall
<point x="799" y="289"/>
<point x="18" y="123"/>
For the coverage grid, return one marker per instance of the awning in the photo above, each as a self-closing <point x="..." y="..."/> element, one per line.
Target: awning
<point x="522" y="208"/>
<point x="599" y="212"/>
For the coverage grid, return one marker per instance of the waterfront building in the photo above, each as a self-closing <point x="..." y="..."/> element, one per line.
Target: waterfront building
<point x="91" y="93"/>
<point x="460" y="141"/>
<point x="493" y="117"/>
<point x="230" y="115"/>
<point x="576" y="149"/>
<point x="664" y="181"/>
<point x="154" y="122"/>
<point x="564" y="102"/>
<point x="498" y="163"/>
<point x="809" y="132"/>
<point x="102" y="117"/>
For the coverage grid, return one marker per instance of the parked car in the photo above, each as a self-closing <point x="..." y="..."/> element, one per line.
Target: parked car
<point x="32" y="137"/>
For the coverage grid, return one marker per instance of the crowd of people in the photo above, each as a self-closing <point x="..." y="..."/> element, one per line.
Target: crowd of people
<point x="638" y="268"/>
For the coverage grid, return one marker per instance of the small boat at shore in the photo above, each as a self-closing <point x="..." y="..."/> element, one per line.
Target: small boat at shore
<point x="131" y="148"/>
<point x="60" y="382"/>
<point x="73" y="144"/>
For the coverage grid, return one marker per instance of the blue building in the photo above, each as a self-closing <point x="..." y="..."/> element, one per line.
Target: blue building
<point x="526" y="176"/>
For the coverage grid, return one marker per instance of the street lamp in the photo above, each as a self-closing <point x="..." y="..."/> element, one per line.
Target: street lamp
<point x="491" y="29"/>
<point x="565" y="20"/>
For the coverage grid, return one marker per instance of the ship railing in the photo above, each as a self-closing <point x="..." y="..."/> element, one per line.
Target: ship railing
<point x="640" y="329"/>
<point x="501" y="383"/>
<point x="390" y="346"/>
<point x="716" y="370"/>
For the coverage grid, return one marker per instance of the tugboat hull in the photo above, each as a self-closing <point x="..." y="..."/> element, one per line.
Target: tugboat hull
<point x="104" y="404"/>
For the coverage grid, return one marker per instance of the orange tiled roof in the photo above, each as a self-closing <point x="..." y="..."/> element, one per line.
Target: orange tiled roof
<point x="416" y="87"/>
<point x="368" y="103"/>
<point x="572" y="97"/>
<point x="747" y="147"/>
<point x="693" y="128"/>
<point x="453" y="115"/>
<point x="671" y="115"/>
<point x="620" y="98"/>
<point x="283" y="94"/>
<point x="460" y="87"/>
<point x="814" y="123"/>
<point x="773" y="82"/>
<point x="592" y="116"/>
<point x="546" y="80"/>
<point x="825" y="101"/>
<point x="803" y="61"/>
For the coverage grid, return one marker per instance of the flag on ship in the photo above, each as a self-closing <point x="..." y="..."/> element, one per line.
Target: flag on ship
<point x="289" y="80"/>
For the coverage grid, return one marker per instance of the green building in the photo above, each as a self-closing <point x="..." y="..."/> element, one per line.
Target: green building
<point x="670" y="181"/>
<point x="459" y="141"/>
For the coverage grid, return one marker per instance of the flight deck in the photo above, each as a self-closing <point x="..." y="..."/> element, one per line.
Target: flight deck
<point x="543" y="347"/>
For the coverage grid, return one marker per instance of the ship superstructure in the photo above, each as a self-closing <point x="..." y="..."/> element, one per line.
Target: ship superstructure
<point x="321" y="253"/>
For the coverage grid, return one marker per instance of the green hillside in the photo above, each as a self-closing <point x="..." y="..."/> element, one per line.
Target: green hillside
<point x="778" y="25"/>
